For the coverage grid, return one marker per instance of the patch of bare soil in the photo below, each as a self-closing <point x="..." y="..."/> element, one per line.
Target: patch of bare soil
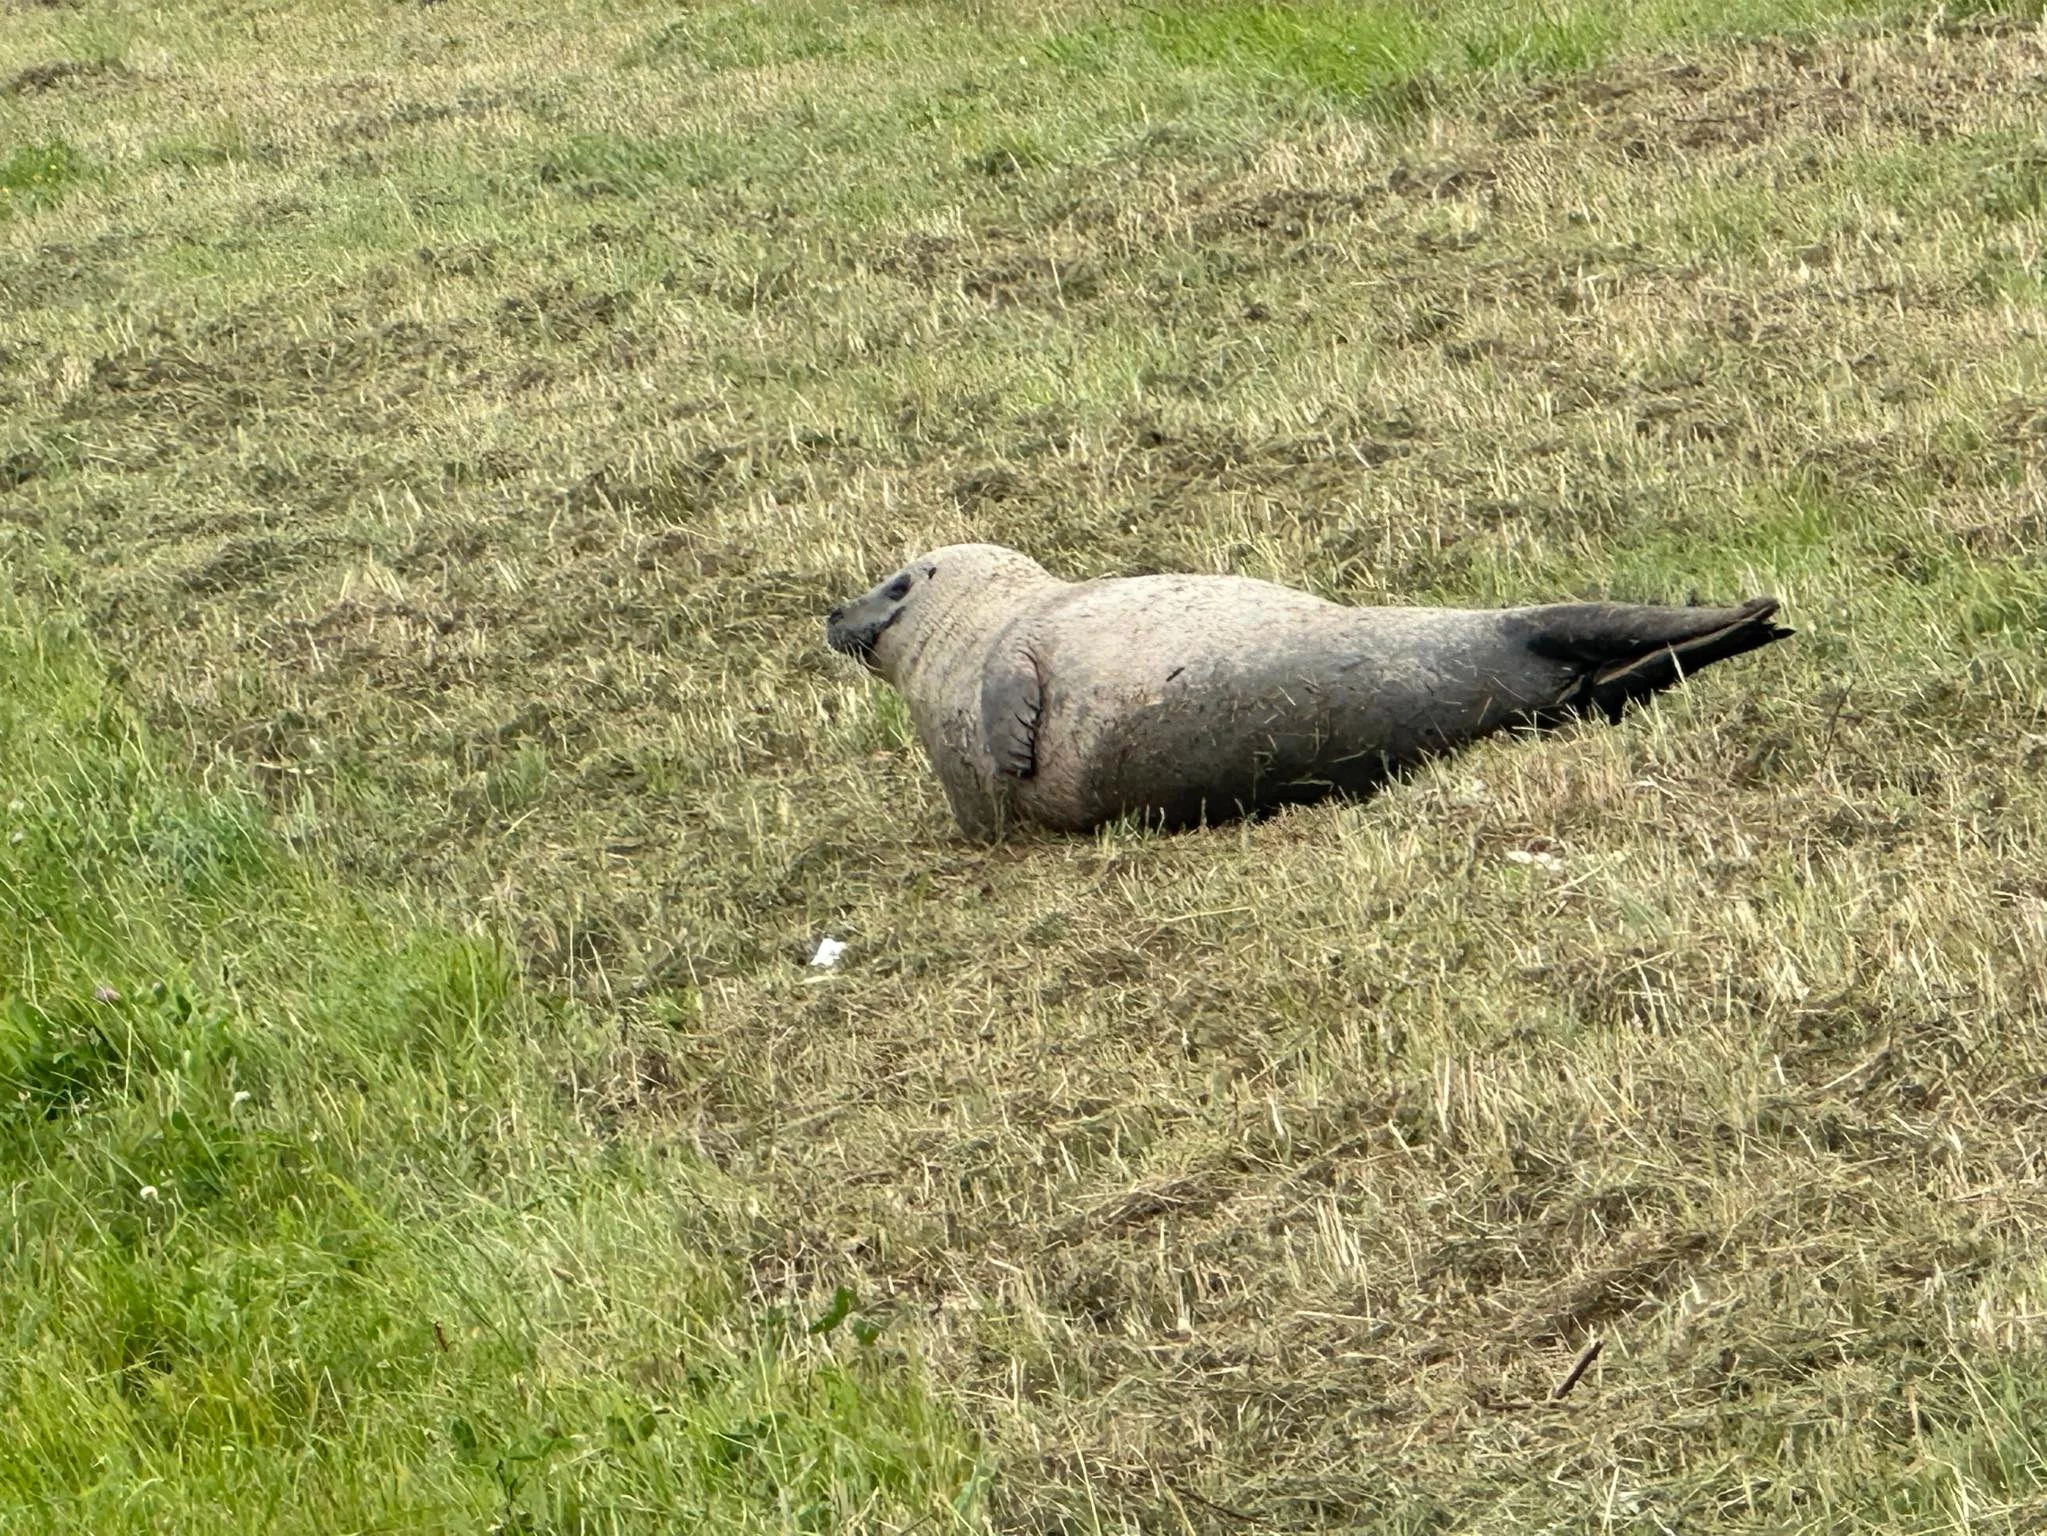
<point x="55" y="73"/>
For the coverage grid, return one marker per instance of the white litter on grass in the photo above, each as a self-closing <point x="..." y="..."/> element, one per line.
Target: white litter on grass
<point x="828" y="952"/>
<point x="1541" y="860"/>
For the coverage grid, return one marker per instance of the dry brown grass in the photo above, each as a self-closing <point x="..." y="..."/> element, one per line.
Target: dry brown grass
<point x="482" y="500"/>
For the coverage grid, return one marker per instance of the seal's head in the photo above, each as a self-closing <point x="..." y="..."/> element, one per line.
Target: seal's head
<point x="932" y="595"/>
<point x="856" y="626"/>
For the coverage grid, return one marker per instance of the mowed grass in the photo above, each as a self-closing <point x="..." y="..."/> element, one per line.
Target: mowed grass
<point x="453" y="421"/>
<point x="305" y="1231"/>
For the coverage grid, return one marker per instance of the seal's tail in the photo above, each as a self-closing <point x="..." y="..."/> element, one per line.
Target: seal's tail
<point x="1621" y="652"/>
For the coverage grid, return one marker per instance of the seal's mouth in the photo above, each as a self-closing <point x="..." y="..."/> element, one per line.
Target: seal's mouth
<point x="847" y="635"/>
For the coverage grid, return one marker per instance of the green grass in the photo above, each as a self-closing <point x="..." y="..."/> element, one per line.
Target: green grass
<point x="35" y="175"/>
<point x="306" y="1231"/>
<point x="448" y="425"/>
<point x="1387" y="59"/>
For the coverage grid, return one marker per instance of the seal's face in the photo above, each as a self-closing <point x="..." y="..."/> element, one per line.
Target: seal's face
<point x="954" y="598"/>
<point x="856" y="627"/>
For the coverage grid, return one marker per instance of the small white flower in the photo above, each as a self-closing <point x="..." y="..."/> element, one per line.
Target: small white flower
<point x="16" y="837"/>
<point x="242" y="1096"/>
<point x="147" y="1191"/>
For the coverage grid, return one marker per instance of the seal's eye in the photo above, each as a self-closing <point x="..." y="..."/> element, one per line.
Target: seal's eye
<point x="898" y="589"/>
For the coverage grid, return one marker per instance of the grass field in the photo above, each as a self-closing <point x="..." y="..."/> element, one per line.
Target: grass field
<point x="305" y="1231"/>
<point x="430" y="435"/>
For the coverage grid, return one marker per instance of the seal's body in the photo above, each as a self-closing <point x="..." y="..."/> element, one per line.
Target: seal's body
<point x="1189" y="698"/>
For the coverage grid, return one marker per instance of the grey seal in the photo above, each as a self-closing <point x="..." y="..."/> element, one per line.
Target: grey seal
<point x="1190" y="699"/>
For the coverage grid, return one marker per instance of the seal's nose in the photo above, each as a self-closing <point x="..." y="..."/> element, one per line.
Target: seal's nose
<point x="835" y="615"/>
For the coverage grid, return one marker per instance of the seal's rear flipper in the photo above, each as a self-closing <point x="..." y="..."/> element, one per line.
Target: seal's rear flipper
<point x="1011" y="700"/>
<point x="1625" y="653"/>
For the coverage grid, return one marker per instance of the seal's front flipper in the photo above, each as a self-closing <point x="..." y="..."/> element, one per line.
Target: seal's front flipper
<point x="1012" y="697"/>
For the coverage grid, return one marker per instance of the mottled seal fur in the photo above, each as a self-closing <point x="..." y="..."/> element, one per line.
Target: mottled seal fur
<point x="1184" y="699"/>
